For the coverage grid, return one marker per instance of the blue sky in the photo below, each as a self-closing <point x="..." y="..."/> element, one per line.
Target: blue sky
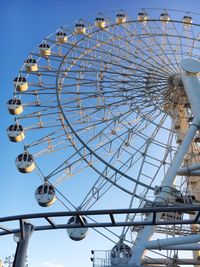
<point x="23" y="24"/>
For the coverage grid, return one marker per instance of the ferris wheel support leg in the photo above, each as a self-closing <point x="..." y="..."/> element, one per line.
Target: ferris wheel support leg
<point x="147" y="231"/>
<point x="191" y="82"/>
<point x="22" y="245"/>
<point x="192" y="87"/>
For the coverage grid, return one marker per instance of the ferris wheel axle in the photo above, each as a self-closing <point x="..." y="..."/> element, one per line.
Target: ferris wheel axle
<point x="191" y="83"/>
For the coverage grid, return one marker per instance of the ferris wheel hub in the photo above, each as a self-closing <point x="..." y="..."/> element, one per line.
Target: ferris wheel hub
<point x="175" y="80"/>
<point x="190" y="65"/>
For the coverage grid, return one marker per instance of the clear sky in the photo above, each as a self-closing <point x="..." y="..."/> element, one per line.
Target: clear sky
<point x="23" y="24"/>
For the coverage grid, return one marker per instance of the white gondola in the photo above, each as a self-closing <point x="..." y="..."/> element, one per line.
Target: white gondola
<point x="15" y="106"/>
<point x="15" y="133"/>
<point x="79" y="28"/>
<point x="20" y="84"/>
<point x="45" y="49"/>
<point x="164" y="17"/>
<point x="77" y="234"/>
<point x="120" y="254"/>
<point x="120" y="18"/>
<point x="142" y="16"/>
<point x="187" y="20"/>
<point x="25" y="163"/>
<point x="31" y="64"/>
<point x="61" y="37"/>
<point x="100" y="22"/>
<point x="45" y="195"/>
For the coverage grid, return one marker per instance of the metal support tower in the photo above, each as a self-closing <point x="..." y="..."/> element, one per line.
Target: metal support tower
<point x="191" y="82"/>
<point x="26" y="229"/>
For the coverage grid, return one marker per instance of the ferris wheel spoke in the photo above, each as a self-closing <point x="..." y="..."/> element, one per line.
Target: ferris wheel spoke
<point x="155" y="163"/>
<point x="146" y="44"/>
<point x="165" y="45"/>
<point x="120" y="49"/>
<point x="126" y="176"/>
<point x="105" y="52"/>
<point x="114" y="169"/>
<point x="96" y="190"/>
<point x="99" y="184"/>
<point x="124" y="59"/>
<point x="100" y="146"/>
<point x="95" y="193"/>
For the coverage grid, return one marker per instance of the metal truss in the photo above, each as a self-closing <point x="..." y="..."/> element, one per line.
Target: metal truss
<point x="110" y="218"/>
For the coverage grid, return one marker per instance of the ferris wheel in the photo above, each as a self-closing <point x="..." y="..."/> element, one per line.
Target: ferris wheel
<point x="109" y="97"/>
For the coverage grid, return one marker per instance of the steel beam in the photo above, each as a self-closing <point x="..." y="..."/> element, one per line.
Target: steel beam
<point x="109" y="221"/>
<point x="160" y="243"/>
<point x="22" y="245"/>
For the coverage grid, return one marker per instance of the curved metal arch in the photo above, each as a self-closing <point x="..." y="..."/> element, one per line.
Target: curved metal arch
<point x="110" y="221"/>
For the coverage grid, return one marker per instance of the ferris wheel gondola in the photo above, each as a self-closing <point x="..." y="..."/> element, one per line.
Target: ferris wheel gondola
<point x="164" y="17"/>
<point x="120" y="253"/>
<point x="25" y="162"/>
<point x="45" y="195"/>
<point x="20" y="84"/>
<point x="100" y="22"/>
<point x="45" y="49"/>
<point x="15" y="133"/>
<point x="187" y="20"/>
<point x="120" y="18"/>
<point x="142" y="16"/>
<point x="31" y="64"/>
<point x="61" y="37"/>
<point x="80" y="28"/>
<point x="77" y="234"/>
<point x="15" y="106"/>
